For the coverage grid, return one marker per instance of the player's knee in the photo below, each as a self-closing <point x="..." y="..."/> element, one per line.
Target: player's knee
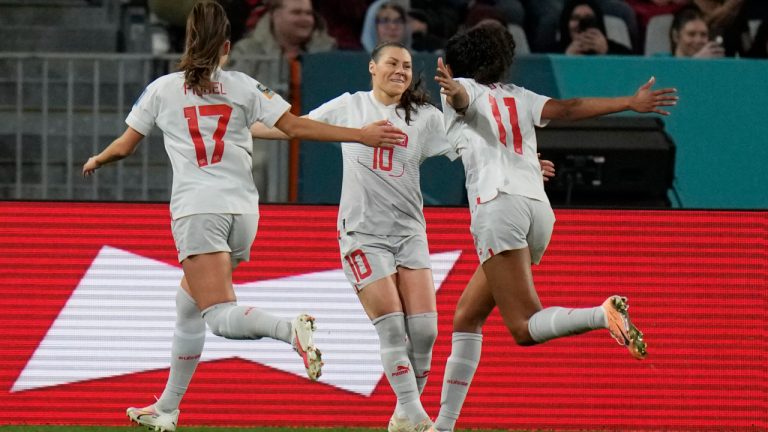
<point x="422" y="329"/>
<point x="391" y="329"/>
<point x="466" y="321"/>
<point x="216" y="317"/>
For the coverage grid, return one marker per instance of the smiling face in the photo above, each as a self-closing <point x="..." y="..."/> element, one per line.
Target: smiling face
<point x="294" y="20"/>
<point x="691" y="38"/>
<point x="392" y="71"/>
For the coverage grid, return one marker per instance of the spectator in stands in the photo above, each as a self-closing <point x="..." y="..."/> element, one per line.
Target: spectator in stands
<point x="345" y="21"/>
<point x="729" y="19"/>
<point x="422" y="39"/>
<point x="582" y="30"/>
<point x="541" y="19"/>
<point x="173" y="13"/>
<point x="290" y="28"/>
<point x="385" y="21"/>
<point x="443" y="17"/>
<point x="689" y="36"/>
<point x="482" y="14"/>
<point x="508" y="11"/>
<point x="647" y="9"/>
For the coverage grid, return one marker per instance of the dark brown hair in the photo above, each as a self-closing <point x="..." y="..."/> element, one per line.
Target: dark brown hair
<point x="683" y="17"/>
<point x="484" y="53"/>
<point x="207" y="30"/>
<point x="415" y="95"/>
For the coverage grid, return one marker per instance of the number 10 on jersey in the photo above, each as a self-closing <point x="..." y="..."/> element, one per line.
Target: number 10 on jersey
<point x="191" y="114"/>
<point x="382" y="157"/>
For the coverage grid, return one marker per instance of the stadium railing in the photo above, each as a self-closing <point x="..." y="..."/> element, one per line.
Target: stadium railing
<point x="57" y="109"/>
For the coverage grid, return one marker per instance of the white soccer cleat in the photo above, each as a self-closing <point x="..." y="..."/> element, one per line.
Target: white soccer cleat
<point x="153" y="419"/>
<point x="425" y="426"/>
<point x="302" y="328"/>
<point x="400" y="424"/>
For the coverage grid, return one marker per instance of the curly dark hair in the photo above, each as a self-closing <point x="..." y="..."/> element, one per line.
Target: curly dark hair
<point x="415" y="95"/>
<point x="484" y="53"/>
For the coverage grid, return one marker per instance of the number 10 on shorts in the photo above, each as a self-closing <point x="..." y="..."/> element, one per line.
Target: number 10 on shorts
<point x="359" y="264"/>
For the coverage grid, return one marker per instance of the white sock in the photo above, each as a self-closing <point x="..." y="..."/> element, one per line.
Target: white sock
<point x="422" y="333"/>
<point x="244" y="322"/>
<point x="397" y="366"/>
<point x="555" y="322"/>
<point x="459" y="370"/>
<point x="188" y="341"/>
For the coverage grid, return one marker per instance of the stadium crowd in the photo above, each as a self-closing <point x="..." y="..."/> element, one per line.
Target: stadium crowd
<point x="689" y="28"/>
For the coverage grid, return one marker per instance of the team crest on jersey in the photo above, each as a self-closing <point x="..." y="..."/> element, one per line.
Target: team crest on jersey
<point x="265" y="90"/>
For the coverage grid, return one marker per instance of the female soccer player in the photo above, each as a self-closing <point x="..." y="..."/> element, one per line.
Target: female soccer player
<point x="382" y="232"/>
<point x="491" y="126"/>
<point x="204" y="113"/>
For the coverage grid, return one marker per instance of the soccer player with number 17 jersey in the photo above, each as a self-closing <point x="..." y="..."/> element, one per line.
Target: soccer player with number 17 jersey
<point x="205" y="114"/>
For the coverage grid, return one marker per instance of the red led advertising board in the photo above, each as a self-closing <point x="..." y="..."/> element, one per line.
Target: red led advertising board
<point x="86" y="318"/>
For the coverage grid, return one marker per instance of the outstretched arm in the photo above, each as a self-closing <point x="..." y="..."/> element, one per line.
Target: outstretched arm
<point x="378" y="134"/>
<point x="260" y="130"/>
<point x="643" y="101"/>
<point x="454" y="92"/>
<point x="120" y="148"/>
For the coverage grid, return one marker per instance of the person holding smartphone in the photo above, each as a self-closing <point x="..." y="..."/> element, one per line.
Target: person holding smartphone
<point x="689" y="36"/>
<point x="582" y="30"/>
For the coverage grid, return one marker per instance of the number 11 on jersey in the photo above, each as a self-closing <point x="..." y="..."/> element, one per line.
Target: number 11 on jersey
<point x="191" y="114"/>
<point x="517" y="136"/>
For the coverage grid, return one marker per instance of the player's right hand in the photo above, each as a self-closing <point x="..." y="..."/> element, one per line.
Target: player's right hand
<point x="448" y="86"/>
<point x="91" y="166"/>
<point x="381" y="134"/>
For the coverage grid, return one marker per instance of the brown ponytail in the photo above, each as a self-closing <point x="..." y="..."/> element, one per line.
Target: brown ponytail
<point x="207" y="30"/>
<point x="415" y="95"/>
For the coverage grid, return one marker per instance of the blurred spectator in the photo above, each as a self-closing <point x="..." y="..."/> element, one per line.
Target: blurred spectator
<point x="512" y="11"/>
<point x="345" y="20"/>
<point x="729" y="19"/>
<point x="689" y="36"/>
<point x="173" y="13"/>
<point x="385" y="21"/>
<point x="256" y="10"/>
<point x="582" y="30"/>
<point x="422" y="39"/>
<point x="647" y="9"/>
<point x="482" y="14"/>
<point x="443" y="17"/>
<point x="542" y="21"/>
<point x="290" y="28"/>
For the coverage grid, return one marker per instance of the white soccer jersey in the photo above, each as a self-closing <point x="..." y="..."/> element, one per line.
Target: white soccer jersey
<point x="381" y="191"/>
<point x="496" y="140"/>
<point x="207" y="138"/>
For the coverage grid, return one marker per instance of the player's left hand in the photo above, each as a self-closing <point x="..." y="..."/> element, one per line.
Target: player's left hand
<point x="647" y="100"/>
<point x="91" y="166"/>
<point x="547" y="168"/>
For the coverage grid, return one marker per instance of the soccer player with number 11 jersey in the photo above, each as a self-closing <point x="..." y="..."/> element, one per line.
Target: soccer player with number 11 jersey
<point x="491" y="125"/>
